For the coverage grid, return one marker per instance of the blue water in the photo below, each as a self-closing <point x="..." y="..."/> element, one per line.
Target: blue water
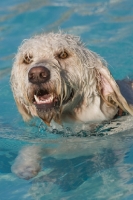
<point x="91" y="168"/>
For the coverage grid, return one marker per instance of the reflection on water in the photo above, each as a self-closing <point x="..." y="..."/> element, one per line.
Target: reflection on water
<point x="94" y="165"/>
<point x="69" y="174"/>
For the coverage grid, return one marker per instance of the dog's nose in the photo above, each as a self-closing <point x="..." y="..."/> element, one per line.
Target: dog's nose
<point x="39" y="74"/>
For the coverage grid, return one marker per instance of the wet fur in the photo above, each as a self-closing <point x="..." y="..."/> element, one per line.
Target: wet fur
<point x="97" y="96"/>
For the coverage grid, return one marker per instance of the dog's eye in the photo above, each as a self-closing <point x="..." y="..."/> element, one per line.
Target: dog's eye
<point x="63" y="55"/>
<point x="28" y="59"/>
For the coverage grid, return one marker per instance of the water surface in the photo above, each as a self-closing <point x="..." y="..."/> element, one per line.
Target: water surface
<point x="89" y="168"/>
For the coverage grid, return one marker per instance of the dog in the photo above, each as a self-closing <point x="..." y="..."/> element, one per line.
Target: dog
<point x="56" y="78"/>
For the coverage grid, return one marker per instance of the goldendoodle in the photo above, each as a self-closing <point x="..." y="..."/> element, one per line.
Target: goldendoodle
<point x="57" y="79"/>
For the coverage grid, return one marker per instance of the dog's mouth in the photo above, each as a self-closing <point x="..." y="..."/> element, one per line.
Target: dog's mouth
<point x="49" y="104"/>
<point x="45" y="100"/>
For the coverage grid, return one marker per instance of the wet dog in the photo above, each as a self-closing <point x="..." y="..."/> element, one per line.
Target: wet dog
<point x="57" y="79"/>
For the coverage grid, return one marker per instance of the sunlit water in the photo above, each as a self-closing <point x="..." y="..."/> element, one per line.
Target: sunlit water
<point x="90" y="168"/>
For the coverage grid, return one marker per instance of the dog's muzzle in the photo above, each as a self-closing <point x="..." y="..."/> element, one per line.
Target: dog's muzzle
<point x="43" y="99"/>
<point x="44" y="95"/>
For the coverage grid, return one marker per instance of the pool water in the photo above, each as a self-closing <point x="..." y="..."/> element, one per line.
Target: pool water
<point x="91" y="167"/>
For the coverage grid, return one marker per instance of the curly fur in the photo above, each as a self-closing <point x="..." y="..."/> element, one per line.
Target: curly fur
<point x="83" y="72"/>
<point x="85" y="89"/>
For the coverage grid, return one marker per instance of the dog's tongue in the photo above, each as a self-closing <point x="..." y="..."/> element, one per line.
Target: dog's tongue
<point x="45" y="99"/>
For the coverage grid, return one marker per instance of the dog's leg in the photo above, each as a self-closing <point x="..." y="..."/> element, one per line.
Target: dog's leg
<point x="126" y="88"/>
<point x="28" y="162"/>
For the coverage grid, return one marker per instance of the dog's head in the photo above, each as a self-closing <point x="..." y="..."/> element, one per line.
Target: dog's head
<point x="55" y="74"/>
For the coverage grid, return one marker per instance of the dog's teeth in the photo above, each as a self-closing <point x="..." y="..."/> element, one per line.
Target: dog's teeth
<point x="36" y="98"/>
<point x="48" y="100"/>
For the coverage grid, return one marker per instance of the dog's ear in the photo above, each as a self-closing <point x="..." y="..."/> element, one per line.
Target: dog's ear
<point x="23" y="111"/>
<point x="109" y="90"/>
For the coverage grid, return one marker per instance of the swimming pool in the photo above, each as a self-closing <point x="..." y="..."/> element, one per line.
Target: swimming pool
<point x="89" y="168"/>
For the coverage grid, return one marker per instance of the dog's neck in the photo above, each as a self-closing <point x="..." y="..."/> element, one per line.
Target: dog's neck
<point x="96" y="111"/>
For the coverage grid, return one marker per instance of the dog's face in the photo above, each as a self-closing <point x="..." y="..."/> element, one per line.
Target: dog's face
<point x="48" y="72"/>
<point x="55" y="74"/>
